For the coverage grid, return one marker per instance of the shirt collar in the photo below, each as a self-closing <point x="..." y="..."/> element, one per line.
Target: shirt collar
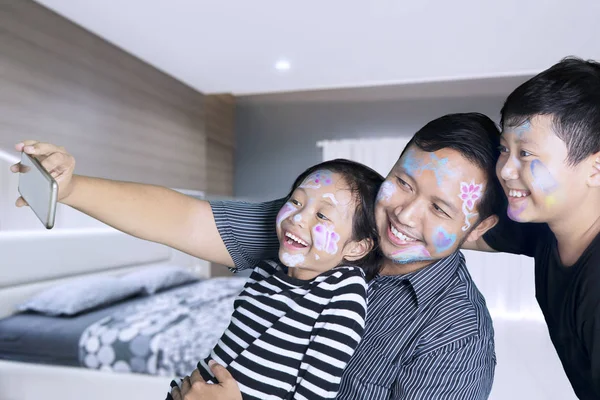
<point x="430" y="280"/>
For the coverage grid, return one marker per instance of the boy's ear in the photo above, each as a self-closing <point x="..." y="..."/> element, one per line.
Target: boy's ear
<point x="594" y="178"/>
<point x="482" y="228"/>
<point x="357" y="250"/>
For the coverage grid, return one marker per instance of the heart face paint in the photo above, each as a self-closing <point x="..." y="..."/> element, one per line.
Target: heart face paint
<point x="325" y="239"/>
<point x="442" y="240"/>
<point x="292" y="260"/>
<point x="386" y="191"/>
<point x="317" y="179"/>
<point x="287" y="210"/>
<point x="469" y="194"/>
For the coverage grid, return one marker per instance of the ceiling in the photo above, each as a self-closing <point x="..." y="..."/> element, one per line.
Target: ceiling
<point x="227" y="46"/>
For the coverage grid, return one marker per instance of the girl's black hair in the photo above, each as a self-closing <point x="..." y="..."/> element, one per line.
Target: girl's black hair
<point x="364" y="184"/>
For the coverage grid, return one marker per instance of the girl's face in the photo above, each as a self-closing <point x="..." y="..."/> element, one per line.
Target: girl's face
<point x="315" y="226"/>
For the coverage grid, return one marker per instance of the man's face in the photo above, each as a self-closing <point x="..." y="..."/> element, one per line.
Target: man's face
<point x="428" y="205"/>
<point x="534" y="173"/>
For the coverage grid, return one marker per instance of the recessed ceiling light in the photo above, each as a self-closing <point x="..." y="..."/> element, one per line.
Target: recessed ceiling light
<point x="282" y="65"/>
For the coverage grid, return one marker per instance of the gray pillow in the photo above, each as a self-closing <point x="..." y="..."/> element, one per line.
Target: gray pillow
<point x="80" y="295"/>
<point x="153" y="279"/>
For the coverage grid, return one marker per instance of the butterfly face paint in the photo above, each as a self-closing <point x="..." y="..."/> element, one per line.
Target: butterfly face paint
<point x="317" y="179"/>
<point x="544" y="181"/>
<point x="325" y="238"/>
<point x="469" y="194"/>
<point x="386" y="191"/>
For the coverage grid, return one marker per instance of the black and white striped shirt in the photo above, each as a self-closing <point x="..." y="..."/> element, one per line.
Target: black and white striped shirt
<point x="292" y="339"/>
<point x="428" y="334"/>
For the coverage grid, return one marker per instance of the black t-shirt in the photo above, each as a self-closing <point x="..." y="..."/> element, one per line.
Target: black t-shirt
<point x="568" y="296"/>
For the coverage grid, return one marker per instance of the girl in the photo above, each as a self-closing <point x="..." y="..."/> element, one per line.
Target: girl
<point x="298" y="320"/>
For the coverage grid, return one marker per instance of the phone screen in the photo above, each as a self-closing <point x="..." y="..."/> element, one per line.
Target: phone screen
<point x="38" y="189"/>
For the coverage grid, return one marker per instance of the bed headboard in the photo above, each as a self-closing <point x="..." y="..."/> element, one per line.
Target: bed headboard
<point x="33" y="258"/>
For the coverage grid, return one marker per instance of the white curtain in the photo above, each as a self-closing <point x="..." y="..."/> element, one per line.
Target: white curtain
<point x="379" y="154"/>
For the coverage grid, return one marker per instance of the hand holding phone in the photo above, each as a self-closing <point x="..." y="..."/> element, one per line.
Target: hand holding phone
<point x="39" y="189"/>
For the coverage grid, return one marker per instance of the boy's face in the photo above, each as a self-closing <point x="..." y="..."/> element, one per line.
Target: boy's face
<point x="428" y="205"/>
<point x="535" y="175"/>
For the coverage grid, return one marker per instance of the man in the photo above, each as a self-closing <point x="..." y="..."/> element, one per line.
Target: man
<point x="549" y="167"/>
<point x="428" y="333"/>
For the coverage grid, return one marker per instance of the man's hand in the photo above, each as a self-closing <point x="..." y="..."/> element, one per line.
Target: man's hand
<point x="56" y="160"/>
<point x="194" y="387"/>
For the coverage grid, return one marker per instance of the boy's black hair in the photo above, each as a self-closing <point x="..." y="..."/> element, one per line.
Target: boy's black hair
<point x="569" y="92"/>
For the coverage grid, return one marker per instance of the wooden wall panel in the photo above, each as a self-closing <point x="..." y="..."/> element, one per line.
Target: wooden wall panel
<point x="220" y="136"/>
<point x="121" y="118"/>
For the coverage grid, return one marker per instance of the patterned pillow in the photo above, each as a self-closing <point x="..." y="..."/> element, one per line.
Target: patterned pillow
<point x="80" y="295"/>
<point x="154" y="279"/>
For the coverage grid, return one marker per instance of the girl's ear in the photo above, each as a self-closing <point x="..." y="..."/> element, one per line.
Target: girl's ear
<point x="356" y="250"/>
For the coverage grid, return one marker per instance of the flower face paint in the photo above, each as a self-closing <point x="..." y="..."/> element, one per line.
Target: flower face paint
<point x="386" y="191"/>
<point x="325" y="239"/>
<point x="317" y="179"/>
<point x="469" y="194"/>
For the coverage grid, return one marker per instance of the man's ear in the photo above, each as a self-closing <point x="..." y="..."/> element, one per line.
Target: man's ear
<point x="594" y="178"/>
<point x="482" y="228"/>
<point x="356" y="250"/>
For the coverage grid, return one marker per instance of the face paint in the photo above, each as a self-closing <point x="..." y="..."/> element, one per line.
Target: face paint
<point x="331" y="197"/>
<point x="297" y="218"/>
<point x="287" y="210"/>
<point x="292" y="260"/>
<point x="386" y="191"/>
<point x="439" y="166"/>
<point x="542" y="178"/>
<point x="325" y="239"/>
<point x="317" y="179"/>
<point x="513" y="213"/>
<point x="521" y="129"/>
<point x="411" y="254"/>
<point x="443" y="240"/>
<point x="317" y="257"/>
<point x="469" y="194"/>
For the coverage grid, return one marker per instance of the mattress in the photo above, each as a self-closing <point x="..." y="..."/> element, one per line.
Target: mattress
<point x="163" y="334"/>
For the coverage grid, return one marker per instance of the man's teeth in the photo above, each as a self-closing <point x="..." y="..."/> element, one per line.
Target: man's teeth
<point x="400" y="235"/>
<point x="296" y="239"/>
<point x="518" y="193"/>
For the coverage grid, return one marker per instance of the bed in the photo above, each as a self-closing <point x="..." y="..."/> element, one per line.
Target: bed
<point x="129" y="349"/>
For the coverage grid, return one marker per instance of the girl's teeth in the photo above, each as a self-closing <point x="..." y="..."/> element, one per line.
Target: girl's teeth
<point x="517" y="193"/>
<point x="400" y="235"/>
<point x="295" y="239"/>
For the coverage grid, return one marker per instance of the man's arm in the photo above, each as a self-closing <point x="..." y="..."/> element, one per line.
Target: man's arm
<point x="459" y="371"/>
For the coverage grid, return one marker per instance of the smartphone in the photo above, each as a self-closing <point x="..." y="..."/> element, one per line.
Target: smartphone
<point x="39" y="189"/>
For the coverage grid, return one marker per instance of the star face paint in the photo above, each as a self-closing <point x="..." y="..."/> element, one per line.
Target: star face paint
<point x="386" y="191"/>
<point x="317" y="179"/>
<point x="325" y="238"/>
<point x="469" y="194"/>
<point x="443" y="240"/>
<point x="331" y="197"/>
<point x="522" y="129"/>
<point x="287" y="210"/>
<point x="292" y="260"/>
<point x="439" y="166"/>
